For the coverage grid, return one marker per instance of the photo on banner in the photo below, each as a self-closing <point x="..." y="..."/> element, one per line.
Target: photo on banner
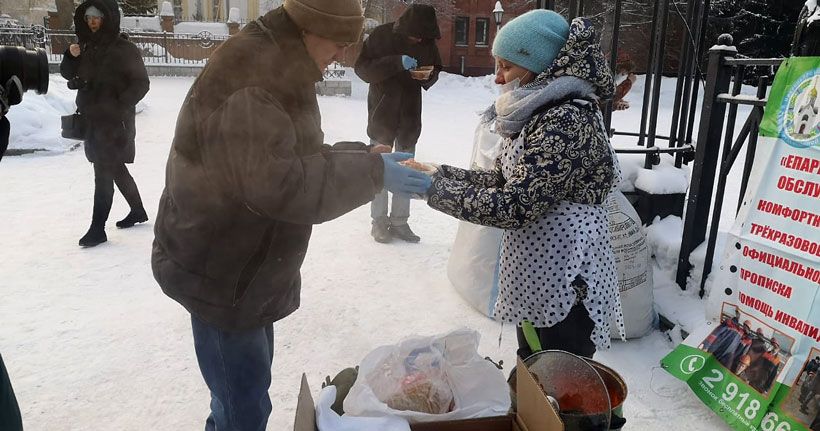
<point x="749" y="348"/>
<point x="801" y="403"/>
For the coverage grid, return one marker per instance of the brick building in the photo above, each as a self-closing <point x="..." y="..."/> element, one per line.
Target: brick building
<point x="467" y="38"/>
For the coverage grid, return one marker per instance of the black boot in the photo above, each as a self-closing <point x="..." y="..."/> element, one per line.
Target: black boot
<point x="135" y="216"/>
<point x="404" y="233"/>
<point x="94" y="236"/>
<point x="380" y="231"/>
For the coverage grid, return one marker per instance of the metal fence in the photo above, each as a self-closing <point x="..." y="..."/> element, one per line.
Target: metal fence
<point x="679" y="140"/>
<point x="29" y="37"/>
<point x="156" y="48"/>
<point x="718" y="148"/>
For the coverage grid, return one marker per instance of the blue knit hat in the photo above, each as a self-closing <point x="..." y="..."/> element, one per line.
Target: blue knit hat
<point x="532" y="40"/>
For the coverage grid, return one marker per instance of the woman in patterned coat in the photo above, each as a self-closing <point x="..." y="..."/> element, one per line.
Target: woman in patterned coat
<point x="548" y="186"/>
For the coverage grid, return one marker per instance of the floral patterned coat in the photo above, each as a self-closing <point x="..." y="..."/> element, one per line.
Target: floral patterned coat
<point x="558" y="168"/>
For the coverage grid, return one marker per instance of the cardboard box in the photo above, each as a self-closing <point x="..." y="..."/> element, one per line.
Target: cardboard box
<point x="535" y="413"/>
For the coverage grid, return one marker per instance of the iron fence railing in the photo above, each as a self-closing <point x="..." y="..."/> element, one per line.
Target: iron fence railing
<point x="156" y="48"/>
<point x="174" y="48"/>
<point x="679" y="139"/>
<point x="29" y="37"/>
<point x="718" y="148"/>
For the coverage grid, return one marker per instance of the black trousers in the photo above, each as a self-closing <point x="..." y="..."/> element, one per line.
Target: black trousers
<point x="571" y="335"/>
<point x="105" y="176"/>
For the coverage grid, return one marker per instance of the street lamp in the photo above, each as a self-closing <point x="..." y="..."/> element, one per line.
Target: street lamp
<point x="498" y="13"/>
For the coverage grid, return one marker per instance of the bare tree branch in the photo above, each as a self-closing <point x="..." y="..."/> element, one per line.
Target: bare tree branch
<point x="385" y="10"/>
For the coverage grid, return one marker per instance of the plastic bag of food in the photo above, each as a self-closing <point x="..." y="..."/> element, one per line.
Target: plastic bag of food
<point x="429" y="379"/>
<point x="425" y="392"/>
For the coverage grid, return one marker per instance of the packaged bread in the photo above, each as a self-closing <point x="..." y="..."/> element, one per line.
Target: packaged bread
<point x="420" y="392"/>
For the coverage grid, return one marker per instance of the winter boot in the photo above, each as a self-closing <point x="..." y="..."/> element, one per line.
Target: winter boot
<point x="404" y="233"/>
<point x="94" y="236"/>
<point x="380" y="231"/>
<point x="135" y="216"/>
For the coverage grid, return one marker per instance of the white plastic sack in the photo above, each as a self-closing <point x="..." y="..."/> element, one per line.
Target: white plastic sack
<point x="473" y="264"/>
<point x="486" y="146"/>
<point x="443" y="372"/>
<point x="632" y="258"/>
<point x="328" y="420"/>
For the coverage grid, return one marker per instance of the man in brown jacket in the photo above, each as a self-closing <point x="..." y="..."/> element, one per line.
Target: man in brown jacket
<point x="247" y="176"/>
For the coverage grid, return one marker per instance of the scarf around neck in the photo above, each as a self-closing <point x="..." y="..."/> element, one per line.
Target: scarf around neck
<point x="513" y="110"/>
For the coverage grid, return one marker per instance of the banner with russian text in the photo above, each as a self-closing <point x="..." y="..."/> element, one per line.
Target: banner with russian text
<point x="755" y="362"/>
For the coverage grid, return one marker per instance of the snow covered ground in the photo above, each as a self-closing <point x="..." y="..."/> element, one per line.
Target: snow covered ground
<point x="91" y="342"/>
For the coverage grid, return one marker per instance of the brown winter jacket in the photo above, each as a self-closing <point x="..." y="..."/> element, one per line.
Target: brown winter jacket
<point x="246" y="178"/>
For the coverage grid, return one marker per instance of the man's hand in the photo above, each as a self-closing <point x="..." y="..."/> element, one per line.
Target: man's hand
<point x="381" y="149"/>
<point x="402" y="180"/>
<point x="74" y="50"/>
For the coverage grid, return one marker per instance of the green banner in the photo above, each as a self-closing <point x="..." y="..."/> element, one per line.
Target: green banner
<point x="739" y="404"/>
<point x="756" y="362"/>
<point x="790" y="110"/>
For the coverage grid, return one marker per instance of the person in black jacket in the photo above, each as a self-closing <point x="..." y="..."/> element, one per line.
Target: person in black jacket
<point x="806" y="39"/>
<point x="108" y="72"/>
<point x="10" y="419"/>
<point x="394" y="100"/>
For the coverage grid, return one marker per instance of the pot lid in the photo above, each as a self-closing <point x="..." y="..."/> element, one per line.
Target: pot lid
<point x="581" y="395"/>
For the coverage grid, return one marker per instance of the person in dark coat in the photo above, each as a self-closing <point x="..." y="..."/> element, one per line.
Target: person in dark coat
<point x="806" y="39"/>
<point x="810" y="368"/>
<point x="10" y="419"/>
<point x="810" y="400"/>
<point x="108" y="72"/>
<point x="247" y="176"/>
<point x="394" y="100"/>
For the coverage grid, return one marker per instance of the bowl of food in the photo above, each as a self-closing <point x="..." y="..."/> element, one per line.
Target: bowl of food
<point x="421" y="73"/>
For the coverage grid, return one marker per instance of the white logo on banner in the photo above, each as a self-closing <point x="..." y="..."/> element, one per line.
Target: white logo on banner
<point x="692" y="363"/>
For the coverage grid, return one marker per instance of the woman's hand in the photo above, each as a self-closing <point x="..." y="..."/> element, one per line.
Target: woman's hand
<point x="74" y="49"/>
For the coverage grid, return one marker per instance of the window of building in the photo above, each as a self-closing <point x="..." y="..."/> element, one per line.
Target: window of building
<point x="462" y="30"/>
<point x="482" y="31"/>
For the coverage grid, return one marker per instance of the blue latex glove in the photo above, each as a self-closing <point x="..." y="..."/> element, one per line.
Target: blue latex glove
<point x="401" y="179"/>
<point x="409" y="62"/>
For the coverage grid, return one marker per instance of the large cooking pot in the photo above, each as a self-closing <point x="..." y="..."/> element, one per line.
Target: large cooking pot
<point x="589" y="396"/>
<point x="616" y="389"/>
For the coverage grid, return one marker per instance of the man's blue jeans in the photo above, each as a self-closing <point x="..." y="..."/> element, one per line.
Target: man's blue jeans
<point x="236" y="367"/>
